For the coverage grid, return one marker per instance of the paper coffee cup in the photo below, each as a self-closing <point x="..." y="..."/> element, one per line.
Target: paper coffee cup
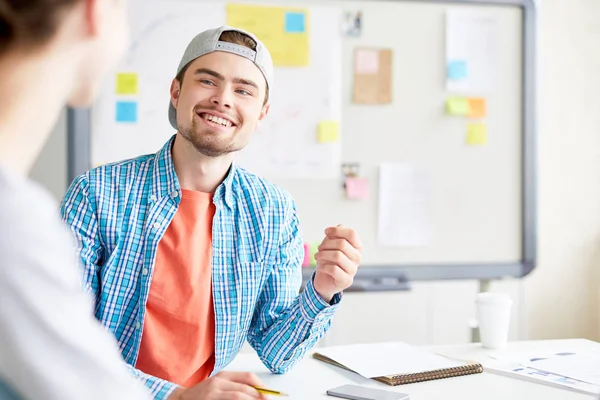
<point x="493" y="315"/>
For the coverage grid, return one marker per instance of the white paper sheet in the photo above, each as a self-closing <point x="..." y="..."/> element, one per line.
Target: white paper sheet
<point x="381" y="359"/>
<point x="517" y="371"/>
<point x="471" y="52"/>
<point x="404" y="205"/>
<point x="583" y="366"/>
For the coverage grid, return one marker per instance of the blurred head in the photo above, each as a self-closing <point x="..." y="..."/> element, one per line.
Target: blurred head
<point x="219" y="98"/>
<point x="92" y="34"/>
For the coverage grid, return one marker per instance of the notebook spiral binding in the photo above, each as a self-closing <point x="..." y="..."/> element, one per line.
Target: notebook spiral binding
<point x="431" y="375"/>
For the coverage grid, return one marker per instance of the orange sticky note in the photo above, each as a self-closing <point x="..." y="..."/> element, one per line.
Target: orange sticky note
<point x="477" y="108"/>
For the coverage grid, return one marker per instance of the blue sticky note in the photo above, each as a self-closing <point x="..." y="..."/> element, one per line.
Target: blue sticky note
<point x="127" y="111"/>
<point x="294" y="22"/>
<point x="457" y="70"/>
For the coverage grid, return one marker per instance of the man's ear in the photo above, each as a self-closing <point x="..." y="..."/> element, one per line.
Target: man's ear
<point x="264" y="111"/>
<point x="175" y="90"/>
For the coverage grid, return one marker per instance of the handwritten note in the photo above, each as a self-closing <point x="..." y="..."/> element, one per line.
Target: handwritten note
<point x="366" y="61"/>
<point x="459" y="106"/>
<point x="126" y="111"/>
<point x="127" y="84"/>
<point x="357" y="188"/>
<point x="476" y="134"/>
<point x="328" y="132"/>
<point x="284" y="31"/>
<point x="477" y="108"/>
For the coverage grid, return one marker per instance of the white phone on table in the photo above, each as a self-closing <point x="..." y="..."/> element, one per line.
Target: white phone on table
<point x="354" y="392"/>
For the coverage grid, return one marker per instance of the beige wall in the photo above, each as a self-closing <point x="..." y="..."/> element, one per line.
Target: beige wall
<point x="562" y="295"/>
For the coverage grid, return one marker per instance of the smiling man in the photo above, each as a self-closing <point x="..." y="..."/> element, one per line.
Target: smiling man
<point x="188" y="255"/>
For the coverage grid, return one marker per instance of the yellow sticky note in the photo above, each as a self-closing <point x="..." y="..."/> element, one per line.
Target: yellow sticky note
<point x="458" y="106"/>
<point x="127" y="83"/>
<point x="329" y="132"/>
<point x="477" y="108"/>
<point x="284" y="31"/>
<point x="476" y="134"/>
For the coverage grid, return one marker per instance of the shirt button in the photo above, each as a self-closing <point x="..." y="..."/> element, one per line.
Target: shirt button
<point x="153" y="198"/>
<point x="156" y="225"/>
<point x="145" y="271"/>
<point x="174" y="194"/>
<point x="137" y="325"/>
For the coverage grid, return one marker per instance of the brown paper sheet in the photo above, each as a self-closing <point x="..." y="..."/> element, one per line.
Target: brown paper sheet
<point x="372" y="79"/>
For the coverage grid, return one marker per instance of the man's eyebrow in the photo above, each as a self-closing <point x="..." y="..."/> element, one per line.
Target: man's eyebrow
<point x="209" y="72"/>
<point x="245" y="82"/>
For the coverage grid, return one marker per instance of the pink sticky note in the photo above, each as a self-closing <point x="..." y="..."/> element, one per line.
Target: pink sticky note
<point x="306" y="262"/>
<point x="357" y="188"/>
<point x="367" y="61"/>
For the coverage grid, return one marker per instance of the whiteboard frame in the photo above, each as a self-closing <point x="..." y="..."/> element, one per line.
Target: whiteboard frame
<point x="79" y="160"/>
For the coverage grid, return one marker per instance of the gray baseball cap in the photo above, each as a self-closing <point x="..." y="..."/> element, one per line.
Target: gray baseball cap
<point x="208" y="41"/>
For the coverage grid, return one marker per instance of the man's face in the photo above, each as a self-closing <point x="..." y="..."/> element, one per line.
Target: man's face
<point x="220" y="102"/>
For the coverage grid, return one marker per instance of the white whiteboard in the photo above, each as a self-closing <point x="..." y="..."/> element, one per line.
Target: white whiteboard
<point x="476" y="191"/>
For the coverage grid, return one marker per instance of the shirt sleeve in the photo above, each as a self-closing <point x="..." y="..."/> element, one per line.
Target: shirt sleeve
<point x="51" y="346"/>
<point x="80" y="216"/>
<point x="286" y="324"/>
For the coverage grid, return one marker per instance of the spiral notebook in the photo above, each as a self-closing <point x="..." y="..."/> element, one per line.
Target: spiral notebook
<point x="395" y="363"/>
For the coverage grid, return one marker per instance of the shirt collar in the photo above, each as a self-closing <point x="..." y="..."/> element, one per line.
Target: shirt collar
<point x="166" y="183"/>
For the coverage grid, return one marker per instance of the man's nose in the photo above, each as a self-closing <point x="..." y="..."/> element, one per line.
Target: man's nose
<point x="222" y="98"/>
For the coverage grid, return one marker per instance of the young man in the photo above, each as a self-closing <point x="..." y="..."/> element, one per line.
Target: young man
<point x="189" y="255"/>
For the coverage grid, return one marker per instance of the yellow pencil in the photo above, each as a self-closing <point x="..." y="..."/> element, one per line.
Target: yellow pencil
<point x="269" y="391"/>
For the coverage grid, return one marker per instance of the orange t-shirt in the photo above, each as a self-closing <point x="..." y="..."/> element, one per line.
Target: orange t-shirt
<point x="178" y="340"/>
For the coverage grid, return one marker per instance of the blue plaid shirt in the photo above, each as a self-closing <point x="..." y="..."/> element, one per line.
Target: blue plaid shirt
<point x="120" y="211"/>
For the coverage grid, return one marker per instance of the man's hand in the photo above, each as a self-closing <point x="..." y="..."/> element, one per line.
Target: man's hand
<point x="337" y="261"/>
<point x="225" y="385"/>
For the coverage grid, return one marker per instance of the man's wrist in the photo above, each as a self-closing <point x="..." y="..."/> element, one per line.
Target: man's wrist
<point x="325" y="296"/>
<point x="177" y="394"/>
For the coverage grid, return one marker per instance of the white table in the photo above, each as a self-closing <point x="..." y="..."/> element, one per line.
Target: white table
<point x="311" y="378"/>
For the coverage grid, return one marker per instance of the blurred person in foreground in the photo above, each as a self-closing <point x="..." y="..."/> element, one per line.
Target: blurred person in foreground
<point x="54" y="53"/>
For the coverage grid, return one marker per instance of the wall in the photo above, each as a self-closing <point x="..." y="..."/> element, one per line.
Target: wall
<point x="562" y="297"/>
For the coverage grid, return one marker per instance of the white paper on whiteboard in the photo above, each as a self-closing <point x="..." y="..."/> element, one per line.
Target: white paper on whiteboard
<point x="404" y="205"/>
<point x="472" y="38"/>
